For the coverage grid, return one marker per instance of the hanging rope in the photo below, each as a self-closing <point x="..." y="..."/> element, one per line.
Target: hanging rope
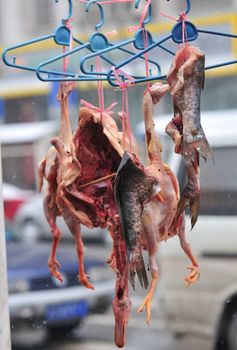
<point x="108" y="2"/>
<point x="66" y="59"/>
<point x="145" y="37"/>
<point x="100" y="91"/>
<point x="182" y="18"/>
<point x="124" y="113"/>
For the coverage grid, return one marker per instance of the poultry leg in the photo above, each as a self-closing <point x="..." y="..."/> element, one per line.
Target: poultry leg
<point x="74" y="226"/>
<point x="152" y="245"/>
<point x="51" y="213"/>
<point x="194" y="275"/>
<point x="148" y="298"/>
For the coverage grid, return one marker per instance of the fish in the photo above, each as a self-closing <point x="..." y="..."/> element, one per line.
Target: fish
<point x="186" y="80"/>
<point x="133" y="189"/>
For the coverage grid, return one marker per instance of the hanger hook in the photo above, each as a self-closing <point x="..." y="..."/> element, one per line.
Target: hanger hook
<point x="188" y="7"/>
<point x="102" y="20"/>
<point x="148" y="17"/>
<point x="69" y="11"/>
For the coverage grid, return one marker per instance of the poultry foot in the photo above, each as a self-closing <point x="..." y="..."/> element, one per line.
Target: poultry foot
<point x="54" y="265"/>
<point x="148" y="299"/>
<point x="84" y="279"/>
<point x="195" y="270"/>
<point x="193" y="276"/>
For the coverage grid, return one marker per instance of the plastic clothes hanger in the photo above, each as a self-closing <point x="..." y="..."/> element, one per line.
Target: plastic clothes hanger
<point x="137" y="41"/>
<point x="61" y="36"/>
<point x="97" y="43"/>
<point x="176" y="35"/>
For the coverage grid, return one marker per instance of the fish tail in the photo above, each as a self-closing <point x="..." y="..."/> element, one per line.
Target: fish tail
<point x="181" y="205"/>
<point x="201" y="145"/>
<point x="137" y="266"/>
<point x="193" y="203"/>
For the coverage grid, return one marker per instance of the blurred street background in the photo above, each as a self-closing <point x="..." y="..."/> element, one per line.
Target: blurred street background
<point x="25" y="99"/>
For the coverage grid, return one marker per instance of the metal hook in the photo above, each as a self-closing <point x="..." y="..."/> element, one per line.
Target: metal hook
<point x="69" y="11"/>
<point x="188" y="6"/>
<point x="148" y="17"/>
<point x="102" y="20"/>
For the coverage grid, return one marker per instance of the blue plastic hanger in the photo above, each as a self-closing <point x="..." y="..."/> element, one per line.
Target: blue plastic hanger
<point x="192" y="33"/>
<point x="137" y="41"/>
<point x="97" y="43"/>
<point x="61" y="36"/>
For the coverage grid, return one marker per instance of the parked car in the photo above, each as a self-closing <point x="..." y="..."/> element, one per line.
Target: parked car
<point x="13" y="198"/>
<point x="31" y="220"/>
<point x="209" y="307"/>
<point x="37" y="299"/>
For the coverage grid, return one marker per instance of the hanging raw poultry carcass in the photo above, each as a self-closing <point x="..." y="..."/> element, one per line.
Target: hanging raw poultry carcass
<point x="186" y="80"/>
<point x="85" y="196"/>
<point x="48" y="170"/>
<point x="147" y="198"/>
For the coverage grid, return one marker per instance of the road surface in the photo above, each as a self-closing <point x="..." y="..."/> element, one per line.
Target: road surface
<point x="97" y="334"/>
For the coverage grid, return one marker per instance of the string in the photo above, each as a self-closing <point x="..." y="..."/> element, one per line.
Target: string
<point x="145" y="37"/>
<point x="124" y="113"/>
<point x="145" y="41"/>
<point x="66" y="59"/>
<point x="101" y="108"/>
<point x="100" y="86"/>
<point x="142" y="18"/>
<point x="108" y="2"/>
<point x="100" y="90"/>
<point x="108" y="110"/>
<point x="182" y="18"/>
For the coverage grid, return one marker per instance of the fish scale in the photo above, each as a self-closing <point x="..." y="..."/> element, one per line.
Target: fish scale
<point x="132" y="190"/>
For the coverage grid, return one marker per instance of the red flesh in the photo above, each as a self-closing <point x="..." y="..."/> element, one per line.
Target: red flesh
<point x="98" y="158"/>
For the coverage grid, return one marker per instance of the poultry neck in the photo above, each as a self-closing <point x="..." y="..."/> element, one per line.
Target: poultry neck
<point x="65" y="131"/>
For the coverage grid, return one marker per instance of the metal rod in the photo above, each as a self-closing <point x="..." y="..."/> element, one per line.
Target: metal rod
<point x="5" y="339"/>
